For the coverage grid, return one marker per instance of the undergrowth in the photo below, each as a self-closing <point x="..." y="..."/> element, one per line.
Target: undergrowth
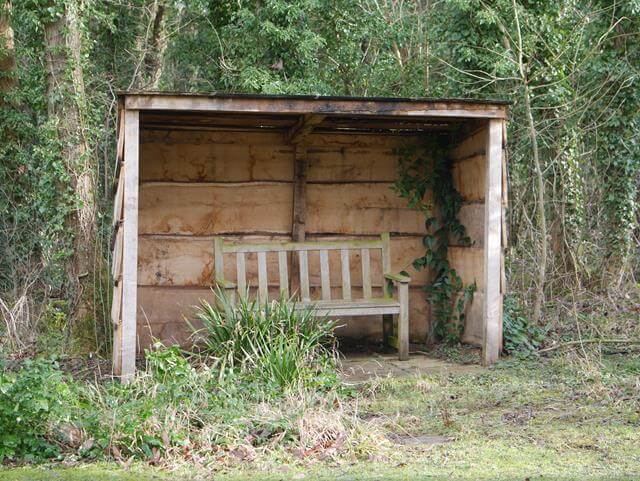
<point x="265" y="379"/>
<point x="277" y="343"/>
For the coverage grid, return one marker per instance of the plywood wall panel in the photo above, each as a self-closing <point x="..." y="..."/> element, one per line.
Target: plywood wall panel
<point x="200" y="209"/>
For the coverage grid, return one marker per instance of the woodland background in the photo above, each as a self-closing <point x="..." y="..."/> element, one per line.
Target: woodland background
<point x="571" y="69"/>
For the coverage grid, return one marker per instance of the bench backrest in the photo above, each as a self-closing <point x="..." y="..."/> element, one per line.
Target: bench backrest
<point x="282" y="249"/>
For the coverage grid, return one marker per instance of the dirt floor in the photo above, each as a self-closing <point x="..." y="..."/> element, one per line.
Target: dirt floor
<point x="364" y="366"/>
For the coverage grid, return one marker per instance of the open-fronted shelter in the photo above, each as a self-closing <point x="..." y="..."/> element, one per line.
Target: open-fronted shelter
<point x="258" y="168"/>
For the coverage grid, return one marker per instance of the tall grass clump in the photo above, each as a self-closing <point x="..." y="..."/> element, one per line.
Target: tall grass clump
<point x="277" y="342"/>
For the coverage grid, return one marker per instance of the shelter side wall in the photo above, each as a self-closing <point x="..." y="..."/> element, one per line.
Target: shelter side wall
<point x="197" y="184"/>
<point x="468" y="171"/>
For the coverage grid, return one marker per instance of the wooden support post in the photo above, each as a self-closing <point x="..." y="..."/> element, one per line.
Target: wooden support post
<point x="299" y="193"/>
<point x="492" y="313"/>
<point x="388" y="335"/>
<point x="298" y="231"/>
<point x="403" y="321"/>
<point x="303" y="128"/>
<point x="130" y="246"/>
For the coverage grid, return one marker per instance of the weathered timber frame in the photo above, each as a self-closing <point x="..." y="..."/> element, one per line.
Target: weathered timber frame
<point x="298" y="117"/>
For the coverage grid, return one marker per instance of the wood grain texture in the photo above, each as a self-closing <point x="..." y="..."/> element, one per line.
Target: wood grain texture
<point x="471" y="216"/>
<point x="216" y="162"/>
<point x="281" y="105"/>
<point x="208" y="209"/>
<point x="468" y="178"/>
<point x="359" y="209"/>
<point x="492" y="314"/>
<point x="469" y="264"/>
<point x="130" y="250"/>
<point x="472" y="145"/>
<point x="189" y="261"/>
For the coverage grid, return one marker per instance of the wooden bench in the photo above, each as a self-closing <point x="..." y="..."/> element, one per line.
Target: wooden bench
<point x="387" y="305"/>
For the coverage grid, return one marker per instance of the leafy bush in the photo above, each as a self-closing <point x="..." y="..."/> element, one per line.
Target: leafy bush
<point x="278" y="343"/>
<point x="519" y="335"/>
<point x="32" y="399"/>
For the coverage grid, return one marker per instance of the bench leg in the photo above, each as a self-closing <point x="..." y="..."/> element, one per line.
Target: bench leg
<point x="403" y="321"/>
<point x="387" y="329"/>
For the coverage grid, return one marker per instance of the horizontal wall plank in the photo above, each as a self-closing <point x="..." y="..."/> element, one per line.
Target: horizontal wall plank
<point x="359" y="209"/>
<point x="209" y="138"/>
<point x="468" y="178"/>
<point x="473" y="329"/>
<point x="188" y="261"/>
<point x="469" y="264"/>
<point x="470" y="146"/>
<point x="352" y="164"/>
<point x="471" y="216"/>
<point x="205" y="209"/>
<point x="215" y="162"/>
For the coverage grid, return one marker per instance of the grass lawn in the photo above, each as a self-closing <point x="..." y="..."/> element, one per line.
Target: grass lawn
<point x="563" y="418"/>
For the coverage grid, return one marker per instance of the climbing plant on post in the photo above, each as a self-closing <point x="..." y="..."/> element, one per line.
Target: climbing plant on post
<point x="424" y="179"/>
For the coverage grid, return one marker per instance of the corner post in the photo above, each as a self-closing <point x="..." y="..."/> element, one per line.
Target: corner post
<point x="130" y="244"/>
<point x="492" y="310"/>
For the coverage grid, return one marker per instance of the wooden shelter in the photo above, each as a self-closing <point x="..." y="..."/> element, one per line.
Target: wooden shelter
<point x="257" y="168"/>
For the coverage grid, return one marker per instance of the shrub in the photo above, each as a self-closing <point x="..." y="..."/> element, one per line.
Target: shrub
<point x="277" y="342"/>
<point x="32" y="399"/>
<point x="519" y="335"/>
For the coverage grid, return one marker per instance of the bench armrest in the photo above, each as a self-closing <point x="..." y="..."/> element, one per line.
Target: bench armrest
<point x="398" y="278"/>
<point x="224" y="284"/>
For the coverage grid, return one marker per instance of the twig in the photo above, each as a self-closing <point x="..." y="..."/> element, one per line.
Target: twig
<point x="590" y="341"/>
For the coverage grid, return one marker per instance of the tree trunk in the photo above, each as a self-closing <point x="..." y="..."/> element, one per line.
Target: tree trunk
<point x="152" y="45"/>
<point x="540" y="201"/>
<point x="7" y="53"/>
<point x="540" y="212"/>
<point x="67" y="103"/>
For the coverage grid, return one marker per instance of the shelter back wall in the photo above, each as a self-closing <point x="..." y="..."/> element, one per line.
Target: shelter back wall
<point x="195" y="184"/>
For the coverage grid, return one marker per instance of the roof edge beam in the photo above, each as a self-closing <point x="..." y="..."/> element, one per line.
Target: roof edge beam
<point x="362" y="107"/>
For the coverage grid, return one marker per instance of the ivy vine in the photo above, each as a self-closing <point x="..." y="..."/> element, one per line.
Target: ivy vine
<point x="425" y="180"/>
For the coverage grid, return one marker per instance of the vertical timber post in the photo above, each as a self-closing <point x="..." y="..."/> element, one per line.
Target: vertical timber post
<point x="298" y="227"/>
<point x="130" y="245"/>
<point x="299" y="192"/>
<point x="492" y="311"/>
